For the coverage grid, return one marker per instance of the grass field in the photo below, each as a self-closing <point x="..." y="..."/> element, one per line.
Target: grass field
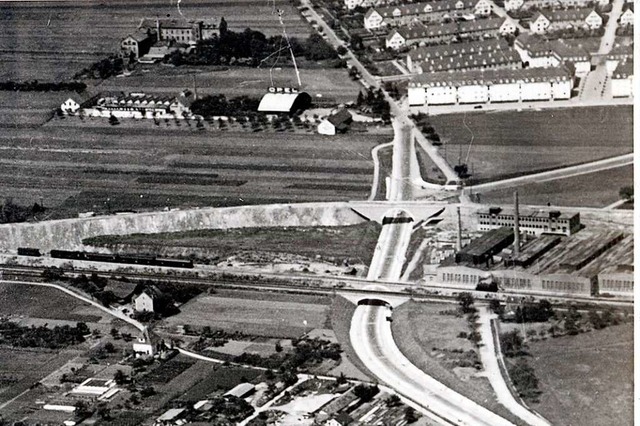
<point x="218" y="378"/>
<point x="41" y="302"/>
<point x="255" y="313"/>
<point x="589" y="190"/>
<point x="508" y="143"/>
<point x="355" y="243"/>
<point x="430" y="347"/>
<point x="236" y="81"/>
<point x="109" y="168"/>
<point x="586" y="380"/>
<point x="49" y="44"/>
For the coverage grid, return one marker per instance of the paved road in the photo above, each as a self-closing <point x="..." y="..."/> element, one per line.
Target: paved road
<point x="594" y="166"/>
<point x="373" y="342"/>
<point x="492" y="372"/>
<point x="390" y="253"/>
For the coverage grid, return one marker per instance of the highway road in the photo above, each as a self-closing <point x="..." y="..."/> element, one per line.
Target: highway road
<point x="373" y="342"/>
<point x="391" y="249"/>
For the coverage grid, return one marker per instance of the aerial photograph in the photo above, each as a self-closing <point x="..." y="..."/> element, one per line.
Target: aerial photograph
<point x="317" y="212"/>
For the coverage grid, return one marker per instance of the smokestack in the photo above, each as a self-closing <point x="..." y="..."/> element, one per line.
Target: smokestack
<point x="157" y="29"/>
<point x="195" y="90"/>
<point x="459" y="236"/>
<point x="516" y="225"/>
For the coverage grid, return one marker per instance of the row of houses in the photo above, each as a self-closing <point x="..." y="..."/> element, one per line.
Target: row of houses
<point x="434" y="11"/>
<point x="494" y="85"/>
<point x="510" y="5"/>
<point x="547" y="20"/>
<point x="481" y="54"/>
<point x="420" y="34"/>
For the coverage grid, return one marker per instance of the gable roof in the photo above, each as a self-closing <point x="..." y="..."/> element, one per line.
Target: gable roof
<point x="489" y="76"/>
<point x="340" y="117"/>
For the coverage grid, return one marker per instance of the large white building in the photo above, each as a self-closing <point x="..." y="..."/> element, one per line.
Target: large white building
<point x="495" y="85"/>
<point x="622" y="80"/>
<point x="538" y="52"/>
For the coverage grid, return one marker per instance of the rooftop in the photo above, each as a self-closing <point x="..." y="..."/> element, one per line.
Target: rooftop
<point x="489" y="76"/>
<point x="487" y="241"/>
<point x="425" y="7"/>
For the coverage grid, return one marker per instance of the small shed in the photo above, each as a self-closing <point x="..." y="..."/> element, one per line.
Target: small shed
<point x="241" y="391"/>
<point x="337" y="122"/>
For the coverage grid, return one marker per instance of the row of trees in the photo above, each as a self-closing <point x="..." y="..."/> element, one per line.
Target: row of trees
<point x="252" y="48"/>
<point x="36" y="86"/>
<point x="373" y="101"/>
<point x="212" y="105"/>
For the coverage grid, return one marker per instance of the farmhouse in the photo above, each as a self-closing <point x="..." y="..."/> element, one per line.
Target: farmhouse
<point x="75" y="102"/>
<point x="147" y="300"/>
<point x="482" y="54"/>
<point x="352" y="4"/>
<point x="337" y="122"/>
<point x="491" y="85"/>
<point x="551" y="4"/>
<point x="137" y="44"/>
<point x="435" y="11"/>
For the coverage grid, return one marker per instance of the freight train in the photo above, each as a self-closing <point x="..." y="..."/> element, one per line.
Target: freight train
<point x="110" y="258"/>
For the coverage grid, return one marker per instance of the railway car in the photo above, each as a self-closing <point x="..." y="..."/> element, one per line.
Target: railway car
<point x="174" y="263"/>
<point x="29" y="251"/>
<point x="66" y="254"/>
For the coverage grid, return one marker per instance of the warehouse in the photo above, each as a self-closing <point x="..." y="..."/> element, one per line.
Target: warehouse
<point x="481" y="250"/>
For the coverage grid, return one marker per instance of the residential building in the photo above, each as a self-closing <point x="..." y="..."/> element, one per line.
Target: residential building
<point x="510" y="5"/>
<point x="627" y="17"/>
<point x="434" y="11"/>
<point x="138" y="44"/>
<point x="481" y="54"/>
<point x="337" y="122"/>
<point x="533" y="223"/>
<point x="622" y="80"/>
<point x="241" y="391"/>
<point x="182" y="30"/>
<point x="559" y="19"/>
<point x="147" y="300"/>
<point x="352" y="4"/>
<point x="538" y="52"/>
<point x="491" y="85"/>
<point x="559" y="4"/>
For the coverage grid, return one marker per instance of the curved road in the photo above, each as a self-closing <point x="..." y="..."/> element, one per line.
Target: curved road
<point x="373" y="342"/>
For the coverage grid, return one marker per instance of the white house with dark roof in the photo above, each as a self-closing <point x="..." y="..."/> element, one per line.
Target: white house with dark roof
<point x="627" y="17"/>
<point x="622" y="80"/>
<point x="77" y="101"/>
<point x="138" y="44"/>
<point x="510" y="5"/>
<point x="558" y="19"/>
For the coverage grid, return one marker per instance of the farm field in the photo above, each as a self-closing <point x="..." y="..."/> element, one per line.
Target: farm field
<point x="270" y="315"/>
<point x="598" y="189"/>
<point x="44" y="43"/>
<point x="355" y="243"/>
<point x="21" y="368"/>
<point x="586" y="379"/>
<point x="110" y="168"/>
<point x="541" y="140"/>
<point x="46" y="303"/>
<point x="432" y="348"/>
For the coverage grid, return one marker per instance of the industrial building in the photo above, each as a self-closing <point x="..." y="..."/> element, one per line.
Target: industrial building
<point x="181" y="30"/>
<point x="284" y="100"/>
<point x="481" y="251"/>
<point x="533" y="223"/>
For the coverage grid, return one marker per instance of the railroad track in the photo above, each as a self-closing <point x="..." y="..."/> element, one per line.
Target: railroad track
<point x="320" y="285"/>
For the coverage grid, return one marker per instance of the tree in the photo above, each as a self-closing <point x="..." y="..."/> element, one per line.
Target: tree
<point x="224" y="27"/>
<point x="341" y="50"/>
<point x="410" y="415"/>
<point x="120" y="378"/>
<point x="366" y="393"/>
<point x="626" y="192"/>
<point x="82" y="409"/>
<point x="496" y="307"/>
<point x="342" y="379"/>
<point x="393" y="401"/>
<point x="109" y="347"/>
<point x="113" y="120"/>
<point x="511" y="343"/>
<point x="571" y="321"/>
<point x="465" y="300"/>
<point x="278" y="347"/>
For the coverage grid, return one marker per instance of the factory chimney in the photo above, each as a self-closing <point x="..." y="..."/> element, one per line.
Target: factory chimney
<point x="195" y="90"/>
<point x="459" y="236"/>
<point x="516" y="225"/>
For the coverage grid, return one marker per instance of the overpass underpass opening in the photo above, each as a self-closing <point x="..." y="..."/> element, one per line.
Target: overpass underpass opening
<point x="374" y="302"/>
